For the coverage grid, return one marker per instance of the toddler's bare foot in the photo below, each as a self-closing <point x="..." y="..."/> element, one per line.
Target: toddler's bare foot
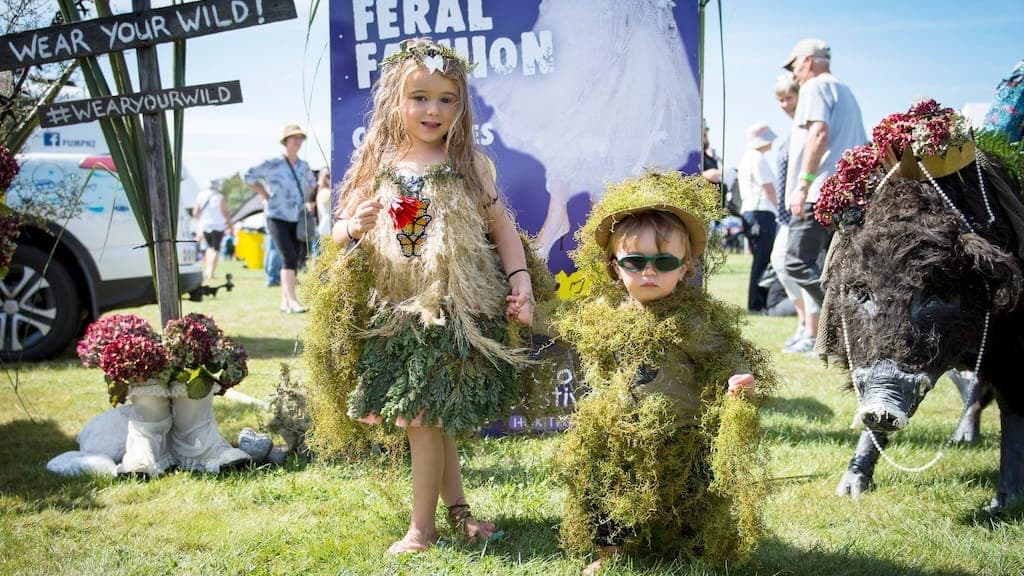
<point x="604" y="554"/>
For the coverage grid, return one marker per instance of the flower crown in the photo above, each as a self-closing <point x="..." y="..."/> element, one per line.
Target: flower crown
<point x="926" y="129"/>
<point x="432" y="56"/>
<point x="925" y="142"/>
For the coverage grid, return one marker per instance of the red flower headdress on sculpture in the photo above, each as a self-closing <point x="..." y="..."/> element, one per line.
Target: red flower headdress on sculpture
<point x="844" y="197"/>
<point x="923" y="143"/>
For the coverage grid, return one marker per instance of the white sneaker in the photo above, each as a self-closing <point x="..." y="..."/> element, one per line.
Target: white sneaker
<point x="801" y="347"/>
<point x="796" y="337"/>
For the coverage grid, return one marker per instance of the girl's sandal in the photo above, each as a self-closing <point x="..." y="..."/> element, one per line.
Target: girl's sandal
<point x="462" y="521"/>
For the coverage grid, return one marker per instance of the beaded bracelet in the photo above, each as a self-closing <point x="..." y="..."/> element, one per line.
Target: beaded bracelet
<point x="514" y="272"/>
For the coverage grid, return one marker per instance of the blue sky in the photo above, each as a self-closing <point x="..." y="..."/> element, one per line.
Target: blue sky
<point x="889" y="52"/>
<point x="284" y="81"/>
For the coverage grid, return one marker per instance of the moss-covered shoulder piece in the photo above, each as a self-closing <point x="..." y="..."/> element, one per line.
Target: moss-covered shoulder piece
<point x="436" y="173"/>
<point x="338" y="292"/>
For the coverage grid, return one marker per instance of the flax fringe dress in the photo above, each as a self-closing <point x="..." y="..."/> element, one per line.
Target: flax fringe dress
<point x="436" y="349"/>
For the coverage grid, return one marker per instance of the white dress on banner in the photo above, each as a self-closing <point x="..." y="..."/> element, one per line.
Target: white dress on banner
<point x="620" y="95"/>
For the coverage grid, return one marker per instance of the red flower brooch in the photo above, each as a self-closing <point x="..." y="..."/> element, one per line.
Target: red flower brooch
<point x="403" y="210"/>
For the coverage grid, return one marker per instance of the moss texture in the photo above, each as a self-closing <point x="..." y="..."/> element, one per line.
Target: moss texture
<point x="404" y="352"/>
<point x="339" y="290"/>
<point x="684" y="491"/>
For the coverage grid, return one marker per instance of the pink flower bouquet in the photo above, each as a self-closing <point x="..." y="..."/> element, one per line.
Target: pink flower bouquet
<point x="193" y="351"/>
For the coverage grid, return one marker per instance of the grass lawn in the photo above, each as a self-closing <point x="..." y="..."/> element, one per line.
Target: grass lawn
<point x="338" y="519"/>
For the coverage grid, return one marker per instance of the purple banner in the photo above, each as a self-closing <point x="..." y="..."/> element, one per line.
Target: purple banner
<point x="567" y="95"/>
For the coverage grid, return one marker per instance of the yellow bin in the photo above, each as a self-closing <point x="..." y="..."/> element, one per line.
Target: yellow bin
<point x="249" y="249"/>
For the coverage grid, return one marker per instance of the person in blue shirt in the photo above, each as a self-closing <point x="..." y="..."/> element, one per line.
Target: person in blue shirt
<point x="283" y="183"/>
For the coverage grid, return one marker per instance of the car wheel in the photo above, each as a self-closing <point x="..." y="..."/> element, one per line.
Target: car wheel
<point x="40" y="311"/>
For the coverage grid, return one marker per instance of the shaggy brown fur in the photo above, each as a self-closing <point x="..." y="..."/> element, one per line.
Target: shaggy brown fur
<point x="913" y="284"/>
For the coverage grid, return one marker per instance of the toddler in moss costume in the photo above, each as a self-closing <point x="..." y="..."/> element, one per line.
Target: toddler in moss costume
<point x="663" y="454"/>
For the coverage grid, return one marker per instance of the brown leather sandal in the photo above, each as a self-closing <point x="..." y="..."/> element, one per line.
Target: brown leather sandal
<point x="459" y="515"/>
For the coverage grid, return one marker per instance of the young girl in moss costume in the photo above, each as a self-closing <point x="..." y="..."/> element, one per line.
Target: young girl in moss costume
<point x="445" y="272"/>
<point x="662" y="455"/>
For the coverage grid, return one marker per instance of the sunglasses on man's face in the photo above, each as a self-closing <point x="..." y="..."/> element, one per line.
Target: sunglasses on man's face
<point x="661" y="262"/>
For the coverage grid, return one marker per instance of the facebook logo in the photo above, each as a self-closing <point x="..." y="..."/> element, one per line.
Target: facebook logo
<point x="51" y="138"/>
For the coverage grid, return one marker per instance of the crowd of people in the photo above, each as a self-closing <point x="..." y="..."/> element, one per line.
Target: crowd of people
<point x="777" y="205"/>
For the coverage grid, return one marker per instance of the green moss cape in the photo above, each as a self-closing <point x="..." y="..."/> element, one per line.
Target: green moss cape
<point x="676" y="491"/>
<point x="405" y="337"/>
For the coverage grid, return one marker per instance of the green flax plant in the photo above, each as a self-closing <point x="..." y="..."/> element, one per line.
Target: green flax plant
<point x="124" y="134"/>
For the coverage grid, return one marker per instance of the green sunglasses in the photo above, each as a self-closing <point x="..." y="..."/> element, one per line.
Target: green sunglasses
<point x="661" y="262"/>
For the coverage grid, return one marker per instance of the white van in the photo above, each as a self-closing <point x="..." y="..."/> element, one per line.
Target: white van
<point x="98" y="262"/>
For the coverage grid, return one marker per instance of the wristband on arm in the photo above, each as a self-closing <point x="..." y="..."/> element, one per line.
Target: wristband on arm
<point x="514" y="272"/>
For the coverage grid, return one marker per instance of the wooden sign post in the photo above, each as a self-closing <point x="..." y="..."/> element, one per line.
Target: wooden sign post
<point x="142" y="30"/>
<point x="165" y="251"/>
<point x="78" y="111"/>
<point x="139" y="29"/>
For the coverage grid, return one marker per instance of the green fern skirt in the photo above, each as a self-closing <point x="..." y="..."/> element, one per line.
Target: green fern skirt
<point x="429" y="376"/>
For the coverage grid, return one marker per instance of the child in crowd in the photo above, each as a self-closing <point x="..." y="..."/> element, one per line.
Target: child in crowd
<point x="662" y="455"/>
<point x="445" y="272"/>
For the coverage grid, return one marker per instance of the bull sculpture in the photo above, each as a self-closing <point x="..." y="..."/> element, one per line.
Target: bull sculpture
<point x="926" y="280"/>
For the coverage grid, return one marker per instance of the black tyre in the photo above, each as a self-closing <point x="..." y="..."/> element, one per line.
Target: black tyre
<point x="40" y="311"/>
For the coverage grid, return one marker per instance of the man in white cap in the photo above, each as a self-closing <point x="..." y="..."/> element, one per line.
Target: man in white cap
<point x="827" y="122"/>
<point x="757" y="189"/>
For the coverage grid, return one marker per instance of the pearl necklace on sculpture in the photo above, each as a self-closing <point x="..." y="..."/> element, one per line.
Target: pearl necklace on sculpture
<point x="981" y="185"/>
<point x="952" y="436"/>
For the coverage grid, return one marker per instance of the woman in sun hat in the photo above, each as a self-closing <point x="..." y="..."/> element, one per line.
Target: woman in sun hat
<point x="760" y="203"/>
<point x="283" y="182"/>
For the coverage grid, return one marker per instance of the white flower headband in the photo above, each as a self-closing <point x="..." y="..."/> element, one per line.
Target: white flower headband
<point x="434" y="57"/>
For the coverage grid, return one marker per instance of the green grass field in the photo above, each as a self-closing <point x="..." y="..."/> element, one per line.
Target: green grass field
<point x="323" y="518"/>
